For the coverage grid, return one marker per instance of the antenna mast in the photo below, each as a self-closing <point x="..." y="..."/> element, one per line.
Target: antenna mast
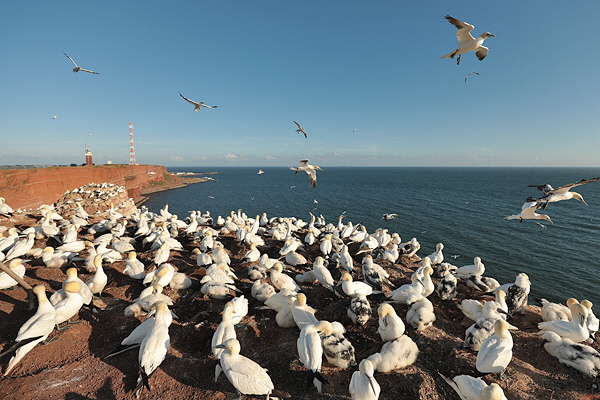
<point x="131" y="149"/>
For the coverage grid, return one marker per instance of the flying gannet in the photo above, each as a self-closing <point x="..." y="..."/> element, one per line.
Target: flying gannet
<point x="389" y="216"/>
<point x="528" y="212"/>
<point x="471" y="73"/>
<point x="311" y="170"/>
<point x="560" y="193"/>
<point x="78" y="68"/>
<point x="301" y="130"/>
<point x="466" y="42"/>
<point x="197" y="105"/>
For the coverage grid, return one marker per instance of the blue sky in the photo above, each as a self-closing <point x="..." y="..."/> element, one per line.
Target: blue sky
<point x="365" y="80"/>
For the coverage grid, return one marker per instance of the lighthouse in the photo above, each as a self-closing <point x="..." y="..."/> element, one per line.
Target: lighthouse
<point x="88" y="157"/>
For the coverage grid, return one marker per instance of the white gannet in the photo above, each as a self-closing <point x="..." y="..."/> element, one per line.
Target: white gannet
<point x="311" y="170"/>
<point x="325" y="246"/>
<point x="496" y="351"/>
<point x="310" y="350"/>
<point x="446" y="288"/>
<point x="337" y="349"/>
<point x="219" y="254"/>
<point x="5" y="209"/>
<point x="261" y="291"/>
<point x="591" y="321"/>
<point x="391" y="326"/>
<point x="97" y="282"/>
<point x="555" y="311"/>
<point x="15" y="266"/>
<point x="70" y="305"/>
<point x="471" y="388"/>
<point x="35" y="330"/>
<point x="478" y="268"/>
<point x="308" y="277"/>
<point x="354" y="288"/>
<point x="471" y="73"/>
<point x="409" y="292"/>
<point x="359" y="310"/>
<point x="302" y="313"/>
<point x="363" y="385"/>
<point x="346" y="260"/>
<point x="134" y="267"/>
<point x="162" y="275"/>
<point x="517" y="294"/>
<point x="21" y="247"/>
<point x="374" y="274"/>
<point x="575" y="329"/>
<point x="528" y="212"/>
<point x="153" y="348"/>
<point x="9" y="241"/>
<point x="437" y="257"/>
<point x="389" y="216"/>
<point x="420" y="315"/>
<point x="424" y="274"/>
<point x="471" y="308"/>
<point x="251" y="255"/>
<point x="197" y="106"/>
<point x="281" y="280"/>
<point x="203" y="258"/>
<point x="483" y="327"/>
<point x="466" y="42"/>
<point x="77" y="67"/>
<point x="579" y="356"/>
<point x="560" y="193"/>
<point x="224" y="331"/>
<point x="84" y="290"/>
<point x="247" y="376"/>
<point x="260" y="172"/>
<point x="56" y="259"/>
<point x="396" y="354"/>
<point x="301" y="129"/>
<point x="322" y="274"/>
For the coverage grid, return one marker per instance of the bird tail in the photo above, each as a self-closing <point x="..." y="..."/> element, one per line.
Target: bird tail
<point x="280" y="394"/>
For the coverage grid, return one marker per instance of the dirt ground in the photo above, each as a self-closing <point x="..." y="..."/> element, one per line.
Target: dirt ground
<point x="73" y="368"/>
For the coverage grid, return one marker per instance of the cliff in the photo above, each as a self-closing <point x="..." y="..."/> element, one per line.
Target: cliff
<point x="30" y="188"/>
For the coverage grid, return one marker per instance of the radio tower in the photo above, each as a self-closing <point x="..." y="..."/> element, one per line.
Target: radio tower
<point x="131" y="149"/>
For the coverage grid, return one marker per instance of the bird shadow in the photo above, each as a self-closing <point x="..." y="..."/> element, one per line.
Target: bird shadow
<point x="105" y="392"/>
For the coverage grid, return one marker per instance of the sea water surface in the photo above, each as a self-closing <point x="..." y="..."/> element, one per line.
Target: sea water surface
<point x="463" y="208"/>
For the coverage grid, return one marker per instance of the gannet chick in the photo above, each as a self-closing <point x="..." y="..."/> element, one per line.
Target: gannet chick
<point x="409" y="249"/>
<point x="445" y="268"/>
<point x="218" y="290"/>
<point x="219" y="254"/>
<point x="575" y="329"/>
<point x="303" y="314"/>
<point x="203" y="258"/>
<point x="70" y="305"/>
<point x="134" y="267"/>
<point x="478" y="268"/>
<point x="409" y="292"/>
<point x="307" y="277"/>
<point x="219" y="273"/>
<point x="363" y="385"/>
<point x="248" y="377"/>
<point x="359" y="310"/>
<point x="153" y="348"/>
<point x="180" y="281"/>
<point x="471" y="388"/>
<point x="15" y="266"/>
<point x="517" y="294"/>
<point x="483" y="327"/>
<point x="396" y="354"/>
<point x="35" y="330"/>
<point x="353" y="288"/>
<point x="261" y="291"/>
<point x="555" y="311"/>
<point x="97" y="282"/>
<point x="591" y="321"/>
<point x="471" y="308"/>
<point x="420" y="315"/>
<point x="496" y="351"/>
<point x="281" y="280"/>
<point x="437" y="257"/>
<point x="338" y="350"/>
<point x="310" y="350"/>
<point x="391" y="326"/>
<point x="446" y="288"/>
<point x="579" y="356"/>
<point x="481" y="283"/>
<point x="374" y="274"/>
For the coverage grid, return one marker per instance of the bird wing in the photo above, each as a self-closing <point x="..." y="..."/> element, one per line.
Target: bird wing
<point x="312" y="176"/>
<point x="74" y="63"/>
<point x="188" y="100"/>
<point x="298" y="125"/>
<point x="87" y="70"/>
<point x="463" y="34"/>
<point x="565" y="188"/>
<point x="304" y="163"/>
<point x="481" y="52"/>
<point x="544" y="188"/>
<point x="531" y="205"/>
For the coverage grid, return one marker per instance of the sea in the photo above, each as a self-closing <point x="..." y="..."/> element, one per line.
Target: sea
<point x="463" y="208"/>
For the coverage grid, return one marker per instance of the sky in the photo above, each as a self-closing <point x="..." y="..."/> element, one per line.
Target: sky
<point x="364" y="79"/>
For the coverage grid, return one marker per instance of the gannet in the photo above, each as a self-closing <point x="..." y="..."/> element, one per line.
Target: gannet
<point x="153" y="348"/>
<point x="9" y="241"/>
<point x="478" y="268"/>
<point x="322" y="274"/>
<point x="134" y="267"/>
<point x="579" y="356"/>
<point x="311" y="170"/>
<point x="396" y="354"/>
<point x="591" y="321"/>
<point x="77" y="67"/>
<point x="281" y="280"/>
<point x="481" y="283"/>
<point x="409" y="292"/>
<point x="56" y="259"/>
<point x="409" y="249"/>
<point x="21" y="247"/>
<point x="261" y="291"/>
<point x="15" y="266"/>
<point x="97" y="282"/>
<point x="437" y="257"/>
<point x="359" y="310"/>
<point x="70" y="305"/>
<point x="354" y="288"/>
<point x="279" y="299"/>
<point x="310" y="350"/>
<point x="483" y="327"/>
<point x="471" y="388"/>
<point x="326" y="245"/>
<point x="528" y="212"/>
<point x="5" y="209"/>
<point x="180" y="281"/>
<point x="446" y="288"/>
<point x="420" y="315"/>
<point x="197" y="106"/>
<point x="496" y="351"/>
<point x="224" y="331"/>
<point x="560" y="193"/>
<point x="575" y="329"/>
<point x="374" y="274"/>
<point x="466" y="42"/>
<point x="517" y="294"/>
<point x="471" y="73"/>
<point x="84" y="290"/>
<point x="424" y="274"/>
<point x="162" y="275"/>
<point x="251" y="255"/>
<point x="389" y="216"/>
<point x="247" y="376"/>
<point x="302" y="313"/>
<point x="363" y="385"/>
<point x="391" y="326"/>
<point x="471" y="308"/>
<point x="337" y="349"/>
<point x="301" y="129"/>
<point x="555" y="311"/>
<point x="35" y="330"/>
<point x="260" y="172"/>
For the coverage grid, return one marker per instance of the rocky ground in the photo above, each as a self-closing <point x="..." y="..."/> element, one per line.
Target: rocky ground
<point x="73" y="367"/>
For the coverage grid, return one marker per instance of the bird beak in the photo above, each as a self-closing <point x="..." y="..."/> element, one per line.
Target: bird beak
<point x="582" y="200"/>
<point x="220" y="346"/>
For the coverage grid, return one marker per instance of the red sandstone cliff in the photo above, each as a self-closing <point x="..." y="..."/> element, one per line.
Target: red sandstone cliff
<point x="30" y="188"/>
